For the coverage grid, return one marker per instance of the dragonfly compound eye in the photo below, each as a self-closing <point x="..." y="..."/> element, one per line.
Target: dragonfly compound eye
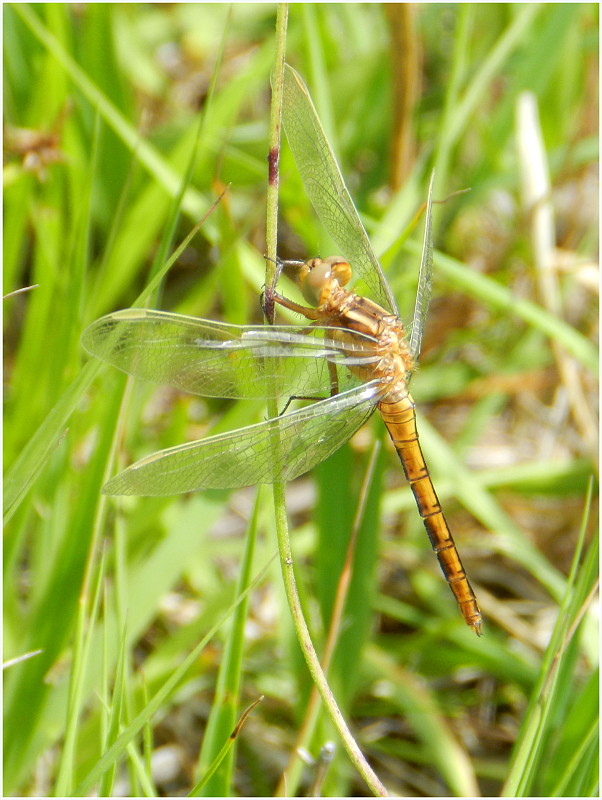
<point x="340" y="269"/>
<point x="316" y="273"/>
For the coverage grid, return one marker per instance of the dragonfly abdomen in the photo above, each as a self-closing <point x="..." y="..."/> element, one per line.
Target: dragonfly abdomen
<point x="400" y="418"/>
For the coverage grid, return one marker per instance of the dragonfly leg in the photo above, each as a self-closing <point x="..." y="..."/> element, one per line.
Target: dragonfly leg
<point x="266" y="301"/>
<point x="334" y="390"/>
<point x="305" y="311"/>
<point x="334" y="379"/>
<point x="280" y="265"/>
<point x="298" y="397"/>
<point x="269" y="295"/>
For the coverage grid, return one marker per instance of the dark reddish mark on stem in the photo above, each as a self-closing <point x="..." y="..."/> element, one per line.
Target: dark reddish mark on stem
<point x="273" y="159"/>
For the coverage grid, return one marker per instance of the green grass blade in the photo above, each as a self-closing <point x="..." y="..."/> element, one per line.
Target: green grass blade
<point x="555" y="686"/>
<point x="227" y="692"/>
<point x="117" y="749"/>
<point x="500" y="298"/>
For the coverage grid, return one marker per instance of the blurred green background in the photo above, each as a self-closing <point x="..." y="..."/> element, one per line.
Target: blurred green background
<point x="117" y="116"/>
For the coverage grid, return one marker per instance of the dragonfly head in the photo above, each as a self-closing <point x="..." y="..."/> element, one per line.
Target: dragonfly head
<point x="314" y="275"/>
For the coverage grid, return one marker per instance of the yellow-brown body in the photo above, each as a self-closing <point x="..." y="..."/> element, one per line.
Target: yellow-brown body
<point x="392" y="364"/>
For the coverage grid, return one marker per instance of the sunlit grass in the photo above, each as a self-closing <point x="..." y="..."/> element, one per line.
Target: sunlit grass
<point x="436" y="710"/>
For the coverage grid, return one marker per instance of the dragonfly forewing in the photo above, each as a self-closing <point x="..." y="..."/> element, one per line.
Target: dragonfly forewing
<point x="279" y="449"/>
<point x="215" y="359"/>
<point x="326" y="188"/>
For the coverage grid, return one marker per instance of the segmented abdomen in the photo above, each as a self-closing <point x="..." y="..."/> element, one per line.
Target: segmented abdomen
<point x="400" y="419"/>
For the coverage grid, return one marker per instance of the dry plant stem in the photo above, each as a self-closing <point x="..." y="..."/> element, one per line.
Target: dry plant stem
<point x="406" y="58"/>
<point x="536" y="198"/>
<point x="287" y="783"/>
<point x="284" y="548"/>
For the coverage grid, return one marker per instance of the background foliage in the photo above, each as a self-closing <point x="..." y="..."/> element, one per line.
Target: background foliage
<point x="118" y="115"/>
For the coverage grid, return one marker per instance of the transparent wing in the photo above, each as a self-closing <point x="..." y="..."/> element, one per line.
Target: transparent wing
<point x="425" y="279"/>
<point x="278" y="449"/>
<point x="326" y="188"/>
<point x="214" y="359"/>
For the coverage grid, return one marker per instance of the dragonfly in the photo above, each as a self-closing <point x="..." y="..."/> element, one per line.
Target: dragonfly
<point x="352" y="357"/>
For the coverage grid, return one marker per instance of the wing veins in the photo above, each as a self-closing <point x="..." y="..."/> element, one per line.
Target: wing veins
<point x="251" y="455"/>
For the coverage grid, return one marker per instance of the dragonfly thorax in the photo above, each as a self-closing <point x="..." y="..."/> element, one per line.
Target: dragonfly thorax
<point x="317" y="272"/>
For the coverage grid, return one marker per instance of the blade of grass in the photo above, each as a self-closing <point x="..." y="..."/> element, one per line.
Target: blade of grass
<point x="115" y="716"/>
<point x="495" y="295"/>
<point x="35" y="454"/>
<point x="539" y="720"/>
<point x="198" y="789"/>
<point x="157" y="275"/>
<point x="460" y="110"/>
<point x="193" y="202"/>
<point x="81" y="655"/>
<point x="579" y="773"/>
<point x="536" y="194"/>
<point x="227" y="690"/>
<point x="418" y="706"/>
<point x="117" y="749"/>
<point x="147" y="736"/>
<point x="162" y="255"/>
